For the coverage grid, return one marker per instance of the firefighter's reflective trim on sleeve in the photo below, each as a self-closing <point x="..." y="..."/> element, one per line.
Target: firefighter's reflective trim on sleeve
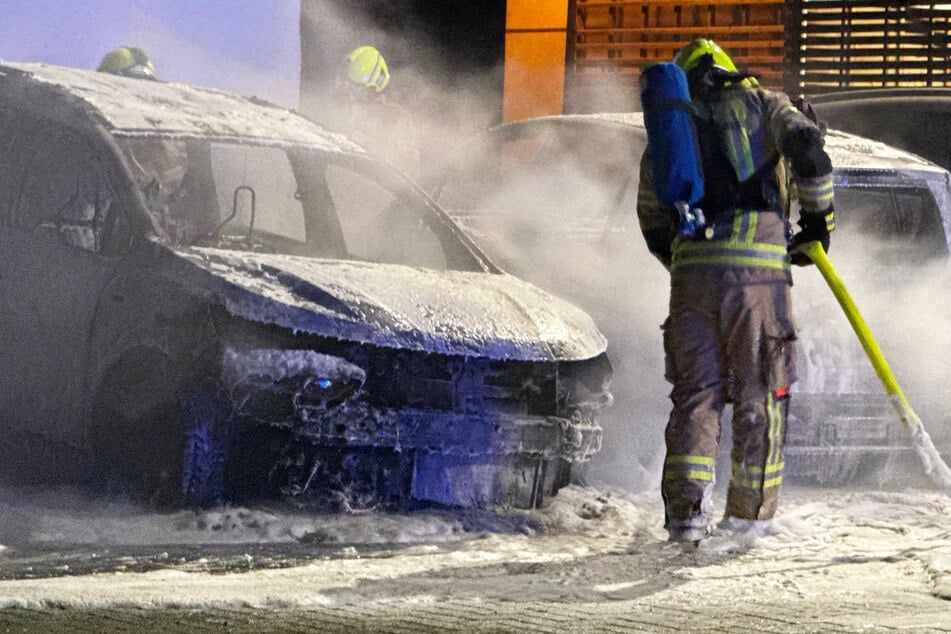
<point x="815" y="194"/>
<point x="789" y="110"/>
<point x="693" y="467"/>
<point x="757" y="478"/>
<point x="730" y="253"/>
<point x="830" y="220"/>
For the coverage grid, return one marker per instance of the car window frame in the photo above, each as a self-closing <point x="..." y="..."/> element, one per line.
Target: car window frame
<point x="108" y="169"/>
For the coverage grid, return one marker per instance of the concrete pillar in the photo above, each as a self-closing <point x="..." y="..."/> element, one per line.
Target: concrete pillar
<point x="536" y="34"/>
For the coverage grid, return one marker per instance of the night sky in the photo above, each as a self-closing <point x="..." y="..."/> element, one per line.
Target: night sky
<point x="247" y="46"/>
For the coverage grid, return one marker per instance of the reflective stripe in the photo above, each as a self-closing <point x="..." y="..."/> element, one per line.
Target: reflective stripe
<point x="754" y="221"/>
<point x="739" y="118"/>
<point x="740" y="143"/>
<point x="757" y="470"/>
<point x="815" y="194"/>
<point x="753" y="477"/>
<point x="747" y="151"/>
<point x="830" y="220"/>
<point x="770" y="475"/>
<point x="741" y="249"/>
<point x="756" y="254"/>
<point x="744" y="226"/>
<point x="741" y="228"/>
<point x="691" y="467"/>
<point x="706" y="461"/>
<point x="774" y="414"/>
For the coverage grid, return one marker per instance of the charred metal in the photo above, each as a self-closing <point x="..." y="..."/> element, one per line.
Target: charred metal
<point x="209" y="298"/>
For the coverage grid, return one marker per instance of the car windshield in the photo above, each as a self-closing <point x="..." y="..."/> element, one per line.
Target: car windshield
<point x="295" y="201"/>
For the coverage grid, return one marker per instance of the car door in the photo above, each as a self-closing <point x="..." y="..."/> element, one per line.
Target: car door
<point x="61" y="230"/>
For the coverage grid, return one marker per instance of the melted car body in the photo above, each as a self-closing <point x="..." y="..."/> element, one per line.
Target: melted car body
<point x="210" y="298"/>
<point x="553" y="200"/>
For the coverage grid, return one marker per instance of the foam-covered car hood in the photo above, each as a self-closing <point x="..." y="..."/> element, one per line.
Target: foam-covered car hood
<point x="450" y="312"/>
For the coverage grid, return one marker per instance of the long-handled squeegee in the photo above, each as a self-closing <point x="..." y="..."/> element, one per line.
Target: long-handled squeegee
<point x="935" y="467"/>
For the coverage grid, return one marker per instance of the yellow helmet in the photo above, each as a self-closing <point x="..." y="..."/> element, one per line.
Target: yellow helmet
<point x="689" y="56"/>
<point x="128" y="61"/>
<point x="366" y="66"/>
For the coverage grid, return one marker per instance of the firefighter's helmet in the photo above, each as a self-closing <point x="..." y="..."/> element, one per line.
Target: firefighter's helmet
<point x="689" y="56"/>
<point x="365" y="66"/>
<point x="128" y="61"/>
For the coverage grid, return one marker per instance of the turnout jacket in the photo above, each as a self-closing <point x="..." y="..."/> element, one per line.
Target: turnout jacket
<point x="744" y="133"/>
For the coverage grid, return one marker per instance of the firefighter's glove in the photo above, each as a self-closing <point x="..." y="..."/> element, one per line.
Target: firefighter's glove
<point x="814" y="229"/>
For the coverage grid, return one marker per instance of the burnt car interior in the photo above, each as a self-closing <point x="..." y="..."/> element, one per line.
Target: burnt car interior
<point x="54" y="183"/>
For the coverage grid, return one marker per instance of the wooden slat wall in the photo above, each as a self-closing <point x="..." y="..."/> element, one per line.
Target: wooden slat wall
<point x="802" y="46"/>
<point x="619" y="37"/>
<point x="870" y="43"/>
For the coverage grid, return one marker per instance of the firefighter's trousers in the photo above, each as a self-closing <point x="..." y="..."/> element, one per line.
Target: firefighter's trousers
<point x="725" y="341"/>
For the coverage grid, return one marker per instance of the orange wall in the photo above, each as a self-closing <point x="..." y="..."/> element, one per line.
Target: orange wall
<point x="535" y="39"/>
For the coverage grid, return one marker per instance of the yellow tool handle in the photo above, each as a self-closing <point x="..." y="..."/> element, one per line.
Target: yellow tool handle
<point x="817" y="254"/>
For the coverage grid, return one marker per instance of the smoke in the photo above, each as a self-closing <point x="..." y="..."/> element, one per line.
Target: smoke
<point x="428" y="107"/>
<point x="555" y="205"/>
<point x="595" y="258"/>
<point x="907" y="307"/>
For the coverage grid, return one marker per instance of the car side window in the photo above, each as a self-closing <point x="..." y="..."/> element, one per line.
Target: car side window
<point x="63" y="192"/>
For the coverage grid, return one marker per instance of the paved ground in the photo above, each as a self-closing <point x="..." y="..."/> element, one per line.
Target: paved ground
<point x="840" y="562"/>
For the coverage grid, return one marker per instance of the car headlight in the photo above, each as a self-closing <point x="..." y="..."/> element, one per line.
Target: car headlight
<point x="264" y="379"/>
<point x="325" y="392"/>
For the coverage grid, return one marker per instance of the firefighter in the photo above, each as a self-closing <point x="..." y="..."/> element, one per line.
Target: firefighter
<point x="729" y="336"/>
<point x="128" y="61"/>
<point x="366" y="115"/>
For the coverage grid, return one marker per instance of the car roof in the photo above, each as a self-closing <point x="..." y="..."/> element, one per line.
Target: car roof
<point x="847" y="151"/>
<point x="128" y="107"/>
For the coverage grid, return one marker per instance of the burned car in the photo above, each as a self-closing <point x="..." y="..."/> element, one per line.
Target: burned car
<point x="913" y="119"/>
<point x="205" y="297"/>
<point x="553" y="200"/>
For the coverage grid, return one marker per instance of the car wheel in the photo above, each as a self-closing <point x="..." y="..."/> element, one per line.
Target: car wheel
<point x="150" y="441"/>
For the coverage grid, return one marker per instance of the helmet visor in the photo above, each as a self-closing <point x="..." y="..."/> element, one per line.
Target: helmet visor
<point x="140" y="71"/>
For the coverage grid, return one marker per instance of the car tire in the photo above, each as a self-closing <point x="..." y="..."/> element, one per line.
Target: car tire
<point x="153" y="443"/>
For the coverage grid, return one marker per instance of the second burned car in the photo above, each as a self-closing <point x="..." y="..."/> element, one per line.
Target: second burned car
<point x="211" y="298"/>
